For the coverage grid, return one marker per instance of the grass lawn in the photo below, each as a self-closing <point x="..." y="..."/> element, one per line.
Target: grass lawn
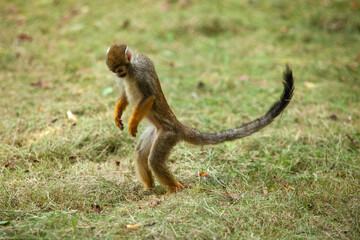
<point x="220" y="64"/>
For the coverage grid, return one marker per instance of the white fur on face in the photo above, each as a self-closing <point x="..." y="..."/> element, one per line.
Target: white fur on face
<point x="107" y="51"/>
<point x="118" y="81"/>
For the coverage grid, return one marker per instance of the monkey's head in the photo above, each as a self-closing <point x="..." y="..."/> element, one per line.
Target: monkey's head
<point x="118" y="59"/>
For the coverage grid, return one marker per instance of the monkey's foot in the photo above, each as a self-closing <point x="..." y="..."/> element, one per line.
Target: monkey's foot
<point x="180" y="186"/>
<point x="119" y="123"/>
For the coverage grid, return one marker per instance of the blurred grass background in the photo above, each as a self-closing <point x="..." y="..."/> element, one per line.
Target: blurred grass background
<point x="220" y="65"/>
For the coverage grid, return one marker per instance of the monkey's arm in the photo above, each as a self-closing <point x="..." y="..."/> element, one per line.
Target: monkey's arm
<point x="139" y="111"/>
<point x="119" y="108"/>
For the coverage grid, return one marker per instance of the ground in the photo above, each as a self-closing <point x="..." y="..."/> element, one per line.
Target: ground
<point x="66" y="170"/>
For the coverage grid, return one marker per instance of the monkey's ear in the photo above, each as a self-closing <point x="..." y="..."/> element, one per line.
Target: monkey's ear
<point x="128" y="54"/>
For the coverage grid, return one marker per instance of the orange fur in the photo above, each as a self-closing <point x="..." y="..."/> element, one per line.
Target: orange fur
<point x="138" y="114"/>
<point x="119" y="108"/>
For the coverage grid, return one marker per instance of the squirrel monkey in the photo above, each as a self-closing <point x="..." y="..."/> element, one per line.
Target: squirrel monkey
<point x="141" y="88"/>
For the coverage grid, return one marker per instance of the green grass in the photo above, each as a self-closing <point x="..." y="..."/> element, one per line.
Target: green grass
<point x="54" y="172"/>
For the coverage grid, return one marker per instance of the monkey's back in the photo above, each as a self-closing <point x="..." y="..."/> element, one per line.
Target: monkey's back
<point x="148" y="83"/>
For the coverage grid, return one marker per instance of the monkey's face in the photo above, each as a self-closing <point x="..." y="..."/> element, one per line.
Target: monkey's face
<point x="121" y="71"/>
<point x="118" y="59"/>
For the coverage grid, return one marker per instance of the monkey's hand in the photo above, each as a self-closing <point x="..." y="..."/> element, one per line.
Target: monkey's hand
<point x="119" y="108"/>
<point x="118" y="121"/>
<point x="133" y="128"/>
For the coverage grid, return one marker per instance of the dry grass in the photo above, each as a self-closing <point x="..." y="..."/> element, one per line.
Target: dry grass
<point x="220" y="65"/>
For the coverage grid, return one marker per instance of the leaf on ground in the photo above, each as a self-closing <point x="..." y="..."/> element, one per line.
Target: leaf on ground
<point x="71" y="116"/>
<point x="243" y="77"/>
<point x="9" y="165"/>
<point x="66" y="17"/>
<point x="235" y="196"/>
<point x="137" y="225"/>
<point x="41" y="84"/>
<point x="165" y="6"/>
<point x="284" y="29"/>
<point x="333" y="117"/>
<point x="265" y="191"/>
<point x="201" y="174"/>
<point x="86" y="70"/>
<point x="154" y="203"/>
<point x="297" y="136"/>
<point x="96" y="208"/>
<point x="23" y="37"/>
<point x="132" y="226"/>
<point x="4" y="223"/>
<point x="309" y="85"/>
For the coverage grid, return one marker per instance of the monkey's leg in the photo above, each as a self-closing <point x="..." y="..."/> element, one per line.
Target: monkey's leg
<point x="138" y="113"/>
<point x="119" y="108"/>
<point x="160" y="151"/>
<point x="142" y="151"/>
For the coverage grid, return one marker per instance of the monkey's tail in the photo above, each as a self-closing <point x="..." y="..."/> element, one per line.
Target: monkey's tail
<point x="194" y="136"/>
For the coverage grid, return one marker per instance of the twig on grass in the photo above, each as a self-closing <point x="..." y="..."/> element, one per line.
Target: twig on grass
<point x="350" y="138"/>
<point x="285" y="185"/>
